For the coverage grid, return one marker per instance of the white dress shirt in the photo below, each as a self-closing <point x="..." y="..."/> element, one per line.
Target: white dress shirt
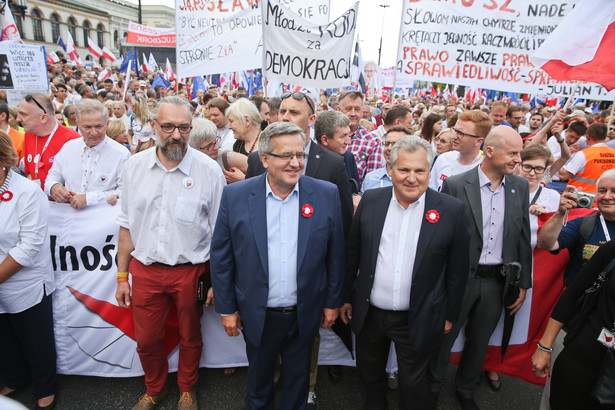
<point x="24" y="237"/>
<point x="396" y="254"/>
<point x="96" y="172"/>
<point x="171" y="214"/>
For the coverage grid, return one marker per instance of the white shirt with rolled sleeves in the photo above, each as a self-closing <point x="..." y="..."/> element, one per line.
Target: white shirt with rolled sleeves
<point x="24" y="237"/>
<point x="171" y="214"/>
<point x="96" y="172"/>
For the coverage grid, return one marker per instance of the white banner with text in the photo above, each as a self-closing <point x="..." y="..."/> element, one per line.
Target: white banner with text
<point x="484" y="43"/>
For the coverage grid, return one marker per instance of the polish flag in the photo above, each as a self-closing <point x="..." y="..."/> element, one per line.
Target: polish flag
<point x="9" y="28"/>
<point x="145" y="67"/>
<point x="103" y="75"/>
<point x="168" y="73"/>
<point x="151" y="63"/>
<point x="71" y="49"/>
<point x="454" y="94"/>
<point x="52" y="58"/>
<point x="108" y="54"/>
<point x="94" y="49"/>
<point x="570" y="54"/>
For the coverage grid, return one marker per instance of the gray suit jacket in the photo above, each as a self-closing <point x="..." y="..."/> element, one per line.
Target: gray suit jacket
<point x="517" y="247"/>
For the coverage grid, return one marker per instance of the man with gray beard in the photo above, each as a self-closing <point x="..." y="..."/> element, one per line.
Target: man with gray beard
<point x="170" y="202"/>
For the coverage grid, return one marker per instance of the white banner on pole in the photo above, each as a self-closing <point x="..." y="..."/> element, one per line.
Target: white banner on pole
<point x="300" y="52"/>
<point x="484" y="43"/>
<point x="222" y="36"/>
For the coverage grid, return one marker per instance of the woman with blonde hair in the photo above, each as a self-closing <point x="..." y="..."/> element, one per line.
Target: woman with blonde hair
<point x="140" y="124"/>
<point x="245" y="121"/>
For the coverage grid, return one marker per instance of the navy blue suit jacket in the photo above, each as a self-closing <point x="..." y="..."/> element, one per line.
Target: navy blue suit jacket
<point x="239" y="261"/>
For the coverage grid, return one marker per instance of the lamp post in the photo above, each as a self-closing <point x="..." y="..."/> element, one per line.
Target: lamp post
<point x="384" y="6"/>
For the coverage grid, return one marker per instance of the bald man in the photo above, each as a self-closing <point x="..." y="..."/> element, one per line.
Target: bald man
<point x="496" y="204"/>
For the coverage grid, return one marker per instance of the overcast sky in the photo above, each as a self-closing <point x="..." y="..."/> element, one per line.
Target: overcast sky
<point x="369" y="25"/>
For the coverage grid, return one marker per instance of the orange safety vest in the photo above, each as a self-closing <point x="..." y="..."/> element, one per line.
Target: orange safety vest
<point x="599" y="159"/>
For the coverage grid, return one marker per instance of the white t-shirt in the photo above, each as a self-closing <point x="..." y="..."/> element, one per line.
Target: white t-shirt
<point x="548" y="199"/>
<point x="448" y="165"/>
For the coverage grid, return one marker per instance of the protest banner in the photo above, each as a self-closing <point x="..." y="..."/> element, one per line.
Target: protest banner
<point x="140" y="35"/>
<point x="94" y="336"/>
<point x="23" y="70"/>
<point x="484" y="43"/>
<point x="300" y="52"/>
<point x="222" y="36"/>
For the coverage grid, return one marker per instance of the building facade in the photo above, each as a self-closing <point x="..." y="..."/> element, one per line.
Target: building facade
<point x="104" y="21"/>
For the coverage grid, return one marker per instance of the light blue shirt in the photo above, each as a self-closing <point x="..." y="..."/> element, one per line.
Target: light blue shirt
<point x="282" y="234"/>
<point x="493" y="207"/>
<point x="377" y="179"/>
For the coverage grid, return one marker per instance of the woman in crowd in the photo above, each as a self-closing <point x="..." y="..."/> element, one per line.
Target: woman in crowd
<point x="204" y="137"/>
<point x="432" y="125"/>
<point x="119" y="114"/>
<point x="70" y="113"/>
<point x="245" y="121"/>
<point x="577" y="367"/>
<point x="140" y="126"/>
<point x="27" y="346"/>
<point x="444" y="141"/>
<point x="117" y="132"/>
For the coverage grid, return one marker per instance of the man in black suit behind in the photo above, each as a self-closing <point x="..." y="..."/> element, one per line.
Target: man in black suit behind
<point x="497" y="207"/>
<point x="411" y="244"/>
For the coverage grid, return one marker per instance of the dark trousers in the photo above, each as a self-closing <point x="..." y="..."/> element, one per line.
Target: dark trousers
<point x="480" y="312"/>
<point x="280" y="337"/>
<point x="28" y="350"/>
<point x="372" y="348"/>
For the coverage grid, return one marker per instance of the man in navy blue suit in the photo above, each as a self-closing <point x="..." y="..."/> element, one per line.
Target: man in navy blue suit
<point x="277" y="263"/>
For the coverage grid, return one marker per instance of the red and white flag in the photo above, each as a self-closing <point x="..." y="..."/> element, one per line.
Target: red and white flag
<point x="145" y="65"/>
<point x="168" y="73"/>
<point x="582" y="55"/>
<point x="454" y="94"/>
<point x="52" y="58"/>
<point x="108" y="54"/>
<point x="71" y="49"/>
<point x="103" y="75"/>
<point x="151" y="63"/>
<point x="94" y="49"/>
<point x="9" y="28"/>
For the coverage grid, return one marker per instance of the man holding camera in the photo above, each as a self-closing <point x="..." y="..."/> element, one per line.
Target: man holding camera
<point x="581" y="236"/>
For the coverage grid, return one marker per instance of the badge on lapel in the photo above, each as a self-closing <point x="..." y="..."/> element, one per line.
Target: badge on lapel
<point x="6" y="196"/>
<point x="307" y="211"/>
<point x="432" y="216"/>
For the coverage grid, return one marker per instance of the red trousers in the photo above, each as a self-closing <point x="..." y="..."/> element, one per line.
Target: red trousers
<point x="154" y="288"/>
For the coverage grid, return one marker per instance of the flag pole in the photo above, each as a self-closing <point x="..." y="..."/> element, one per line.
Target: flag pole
<point x="571" y="97"/>
<point x="401" y="24"/>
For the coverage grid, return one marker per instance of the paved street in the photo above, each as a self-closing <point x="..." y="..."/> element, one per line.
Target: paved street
<point x="218" y="392"/>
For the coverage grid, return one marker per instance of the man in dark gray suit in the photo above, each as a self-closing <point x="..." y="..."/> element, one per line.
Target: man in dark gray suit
<point x="411" y="244"/>
<point x="497" y="204"/>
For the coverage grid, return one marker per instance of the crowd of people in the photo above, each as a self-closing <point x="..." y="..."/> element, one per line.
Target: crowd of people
<point x="402" y="221"/>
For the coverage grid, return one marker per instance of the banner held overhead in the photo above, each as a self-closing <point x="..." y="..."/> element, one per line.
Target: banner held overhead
<point x="298" y="51"/>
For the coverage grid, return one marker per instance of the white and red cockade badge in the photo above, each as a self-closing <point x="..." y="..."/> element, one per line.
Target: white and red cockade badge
<point x="432" y="216"/>
<point x="307" y="211"/>
<point x="6" y="196"/>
